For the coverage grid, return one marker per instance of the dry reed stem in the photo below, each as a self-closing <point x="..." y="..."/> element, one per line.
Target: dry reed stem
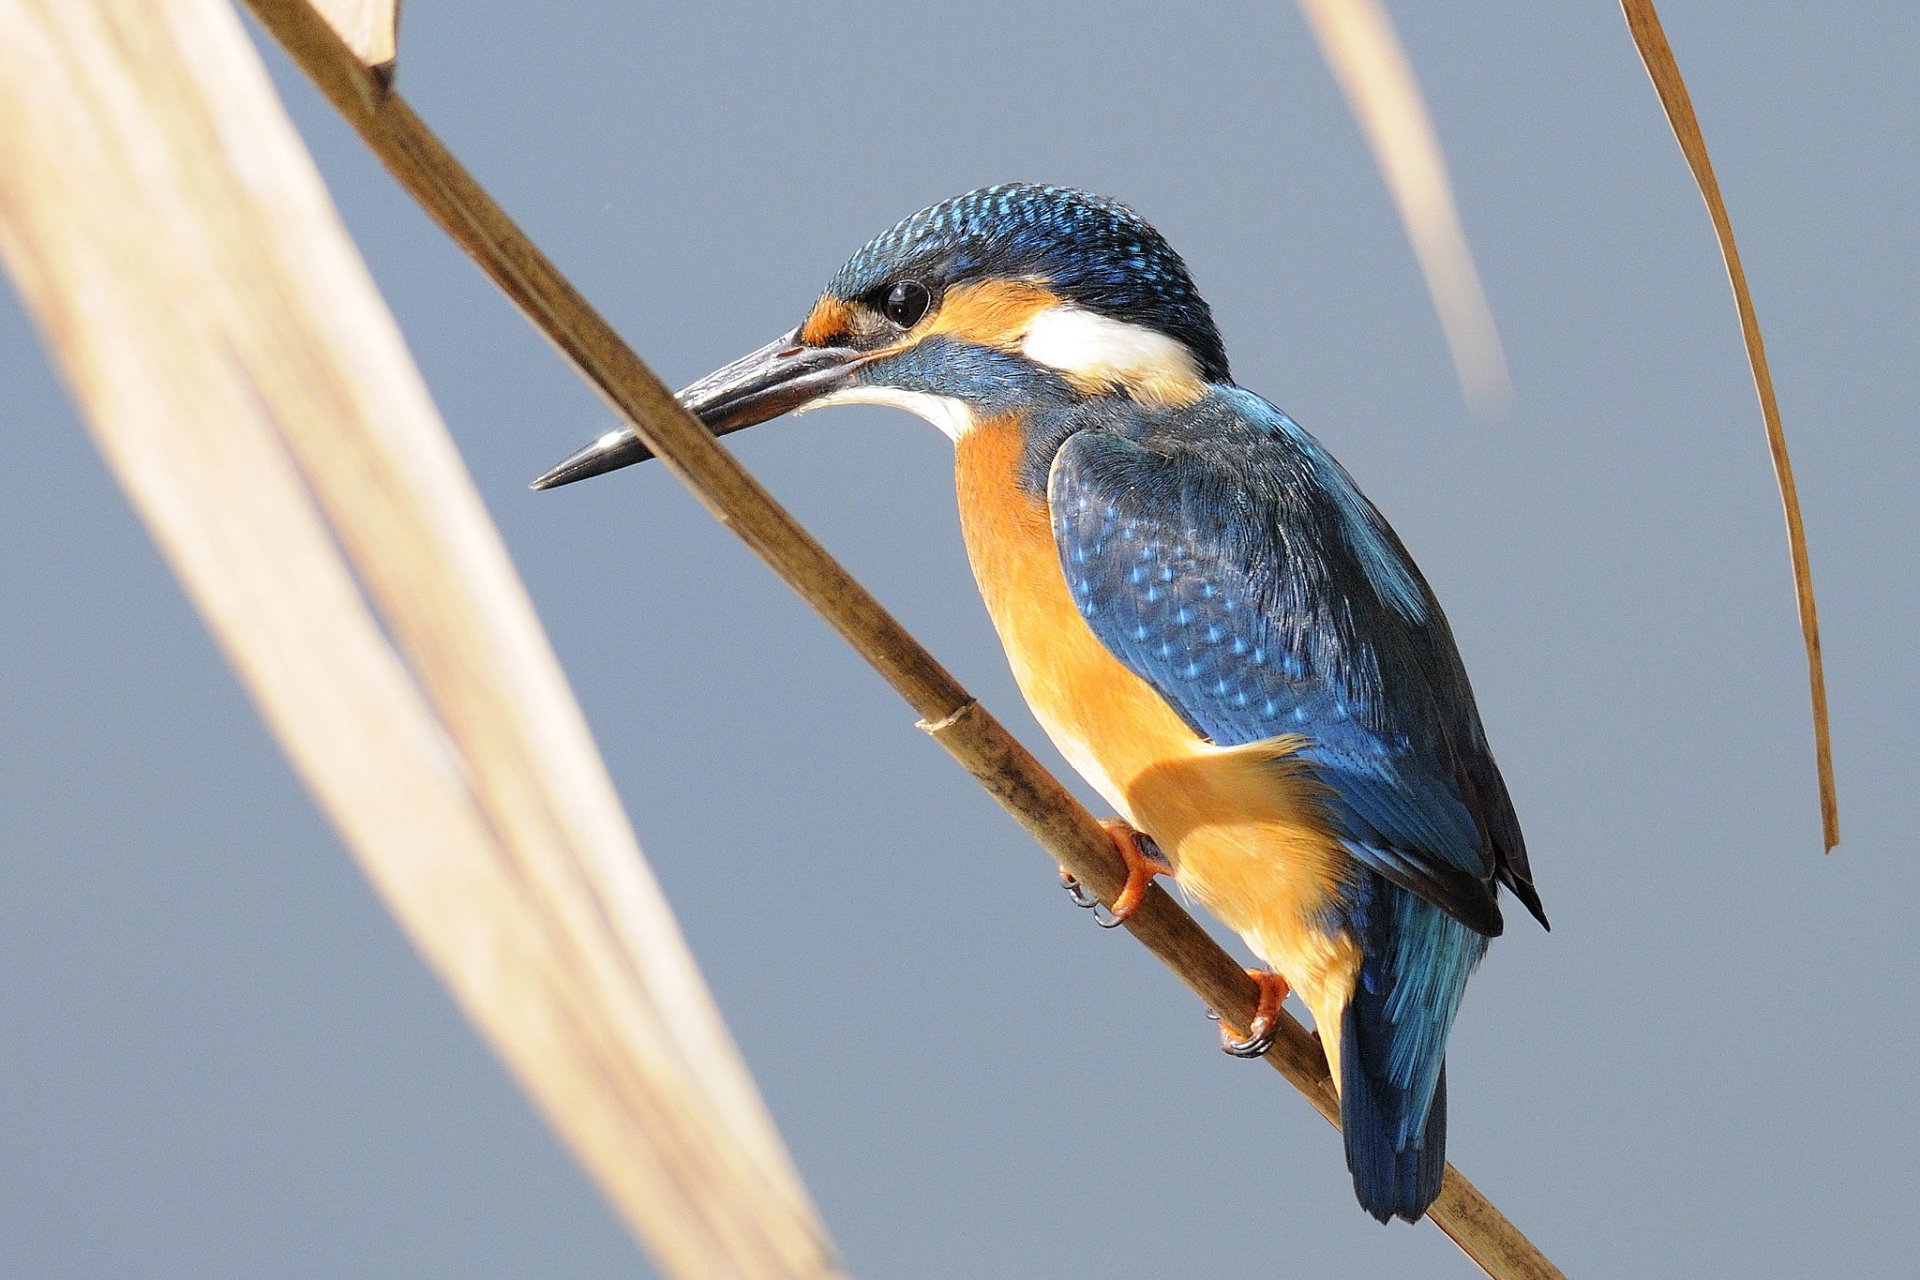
<point x="1357" y="39"/>
<point x="966" y="730"/>
<point x="1651" y="40"/>
<point x="255" y="400"/>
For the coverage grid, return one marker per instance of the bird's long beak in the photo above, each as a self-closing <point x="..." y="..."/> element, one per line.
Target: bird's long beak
<point x="778" y="378"/>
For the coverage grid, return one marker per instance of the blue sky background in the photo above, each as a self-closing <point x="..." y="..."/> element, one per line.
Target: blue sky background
<point x="221" y="1059"/>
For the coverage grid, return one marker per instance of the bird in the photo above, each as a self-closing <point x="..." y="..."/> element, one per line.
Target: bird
<point x="1214" y="626"/>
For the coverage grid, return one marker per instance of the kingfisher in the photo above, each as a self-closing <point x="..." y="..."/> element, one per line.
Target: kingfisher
<point x="1219" y="632"/>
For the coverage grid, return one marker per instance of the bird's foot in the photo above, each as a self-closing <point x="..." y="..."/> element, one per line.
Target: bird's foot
<point x="1144" y="861"/>
<point x="1266" y="1018"/>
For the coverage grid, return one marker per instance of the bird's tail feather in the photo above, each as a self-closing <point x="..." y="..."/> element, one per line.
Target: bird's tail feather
<point x="1394" y="1176"/>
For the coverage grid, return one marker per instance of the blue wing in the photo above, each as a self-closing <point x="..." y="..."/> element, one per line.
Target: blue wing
<point x="1224" y="557"/>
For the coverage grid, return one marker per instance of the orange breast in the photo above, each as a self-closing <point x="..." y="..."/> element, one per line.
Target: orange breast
<point x="1243" y="832"/>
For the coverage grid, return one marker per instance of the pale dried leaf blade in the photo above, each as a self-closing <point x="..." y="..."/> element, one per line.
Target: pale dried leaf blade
<point x="1357" y="39"/>
<point x="1651" y="40"/>
<point x="369" y="27"/>
<point x="250" y="390"/>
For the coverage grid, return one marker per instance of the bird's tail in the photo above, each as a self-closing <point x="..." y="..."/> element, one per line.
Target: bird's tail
<point x="1415" y="962"/>
<point x="1395" y="1173"/>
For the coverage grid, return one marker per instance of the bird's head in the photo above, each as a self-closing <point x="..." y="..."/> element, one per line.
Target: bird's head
<point x="997" y="300"/>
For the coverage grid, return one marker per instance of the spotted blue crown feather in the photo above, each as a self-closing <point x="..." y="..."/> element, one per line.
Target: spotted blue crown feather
<point x="1094" y="252"/>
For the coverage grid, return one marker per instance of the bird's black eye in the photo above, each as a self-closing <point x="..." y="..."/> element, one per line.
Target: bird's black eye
<point x="906" y="302"/>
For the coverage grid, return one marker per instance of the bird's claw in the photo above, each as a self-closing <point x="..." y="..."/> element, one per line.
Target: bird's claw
<point x="1144" y="861"/>
<point x="1102" y="915"/>
<point x="1266" y="1018"/>
<point x="1077" y="891"/>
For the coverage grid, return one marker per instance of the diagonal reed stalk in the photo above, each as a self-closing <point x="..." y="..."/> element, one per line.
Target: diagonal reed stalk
<point x="1357" y="39"/>
<point x="1651" y="40"/>
<point x="255" y="400"/>
<point x="966" y="730"/>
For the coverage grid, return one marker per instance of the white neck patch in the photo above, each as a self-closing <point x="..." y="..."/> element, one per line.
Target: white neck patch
<point x="1098" y="350"/>
<point x="953" y="417"/>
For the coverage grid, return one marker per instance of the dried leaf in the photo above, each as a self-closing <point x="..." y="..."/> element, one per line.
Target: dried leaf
<point x="1651" y="40"/>
<point x="370" y="27"/>
<point x="254" y="397"/>
<point x="1358" y="41"/>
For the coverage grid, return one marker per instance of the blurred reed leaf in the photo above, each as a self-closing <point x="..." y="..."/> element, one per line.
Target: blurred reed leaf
<point x="252" y="395"/>
<point x="1357" y="39"/>
<point x="1651" y="40"/>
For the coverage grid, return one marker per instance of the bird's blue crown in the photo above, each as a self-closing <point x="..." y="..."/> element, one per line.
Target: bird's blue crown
<point x="1094" y="252"/>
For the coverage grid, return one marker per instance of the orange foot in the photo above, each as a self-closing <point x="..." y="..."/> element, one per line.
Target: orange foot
<point x="1144" y="861"/>
<point x="1266" y="1018"/>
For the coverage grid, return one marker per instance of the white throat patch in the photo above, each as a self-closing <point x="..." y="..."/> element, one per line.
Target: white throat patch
<point x="1093" y="350"/>
<point x="953" y="417"/>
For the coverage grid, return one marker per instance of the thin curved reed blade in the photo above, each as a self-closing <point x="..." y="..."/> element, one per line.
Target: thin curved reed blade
<point x="1357" y="39"/>
<point x="1651" y="40"/>
<point x="254" y="398"/>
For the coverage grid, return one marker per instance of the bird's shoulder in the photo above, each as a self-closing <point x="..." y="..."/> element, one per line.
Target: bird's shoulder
<point x="1233" y="470"/>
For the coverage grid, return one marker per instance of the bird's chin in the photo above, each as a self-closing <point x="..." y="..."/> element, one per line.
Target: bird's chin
<point x="954" y="417"/>
<point x="781" y="377"/>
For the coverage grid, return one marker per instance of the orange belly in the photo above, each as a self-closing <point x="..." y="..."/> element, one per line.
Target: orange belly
<point x="1241" y="828"/>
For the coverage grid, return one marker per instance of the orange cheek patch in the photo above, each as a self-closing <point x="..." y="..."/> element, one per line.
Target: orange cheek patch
<point x="992" y="313"/>
<point x="830" y="318"/>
